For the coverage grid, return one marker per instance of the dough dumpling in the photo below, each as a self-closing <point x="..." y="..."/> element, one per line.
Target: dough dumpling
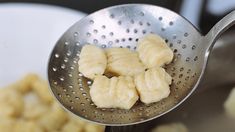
<point x="153" y="51"/>
<point x="122" y="61"/>
<point x="153" y="85"/>
<point x="71" y="126"/>
<point x="41" y="88"/>
<point x="230" y="104"/>
<point x="172" y="127"/>
<point x="34" y="108"/>
<point x="27" y="126"/>
<point x="54" y="119"/>
<point x="25" y="85"/>
<point x="92" y="61"/>
<point x="90" y="127"/>
<point x="7" y="124"/>
<point x="11" y="103"/>
<point x="81" y="125"/>
<point x="117" y="92"/>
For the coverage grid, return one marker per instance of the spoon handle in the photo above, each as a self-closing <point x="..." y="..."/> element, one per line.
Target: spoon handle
<point x="215" y="32"/>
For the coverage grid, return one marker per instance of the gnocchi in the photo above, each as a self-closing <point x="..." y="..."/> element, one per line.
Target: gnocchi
<point x="153" y="51"/>
<point x="34" y="108"/>
<point x="11" y="103"/>
<point x="25" y="84"/>
<point x="27" y="106"/>
<point x="41" y="88"/>
<point x="117" y="92"/>
<point x="7" y="124"/>
<point x="27" y="126"/>
<point x="153" y="85"/>
<point x="124" y="62"/>
<point x="172" y="127"/>
<point x="89" y="127"/>
<point x="54" y="119"/>
<point x="71" y="127"/>
<point x="92" y="61"/>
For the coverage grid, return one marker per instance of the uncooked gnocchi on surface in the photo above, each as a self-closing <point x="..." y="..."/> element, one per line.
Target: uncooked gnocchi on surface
<point x="27" y="106"/>
<point x="117" y="92"/>
<point x="54" y="118"/>
<point x="34" y="108"/>
<point x="27" y="126"/>
<point x="153" y="51"/>
<point x="7" y="124"/>
<point x="92" y="61"/>
<point x="153" y="85"/>
<point x="171" y="127"/>
<point x="123" y="61"/>
<point x="11" y="103"/>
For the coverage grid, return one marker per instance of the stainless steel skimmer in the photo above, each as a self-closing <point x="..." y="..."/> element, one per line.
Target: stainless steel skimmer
<point x="122" y="26"/>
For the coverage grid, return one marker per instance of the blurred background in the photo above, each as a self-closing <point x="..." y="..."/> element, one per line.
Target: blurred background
<point x="202" y="13"/>
<point x="30" y="28"/>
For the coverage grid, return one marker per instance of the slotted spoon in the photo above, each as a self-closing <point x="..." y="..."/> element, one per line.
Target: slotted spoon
<point x="122" y="26"/>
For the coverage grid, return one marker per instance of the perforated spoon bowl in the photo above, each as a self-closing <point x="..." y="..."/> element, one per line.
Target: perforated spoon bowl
<point x="122" y="26"/>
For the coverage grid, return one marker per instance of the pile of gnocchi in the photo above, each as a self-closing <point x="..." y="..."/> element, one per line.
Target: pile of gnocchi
<point x="122" y="76"/>
<point x="27" y="106"/>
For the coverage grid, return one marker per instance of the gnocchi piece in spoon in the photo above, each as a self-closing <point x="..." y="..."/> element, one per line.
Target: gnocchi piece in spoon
<point x="123" y="61"/>
<point x="92" y="61"/>
<point x="117" y="92"/>
<point x="153" y="85"/>
<point x="153" y="51"/>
